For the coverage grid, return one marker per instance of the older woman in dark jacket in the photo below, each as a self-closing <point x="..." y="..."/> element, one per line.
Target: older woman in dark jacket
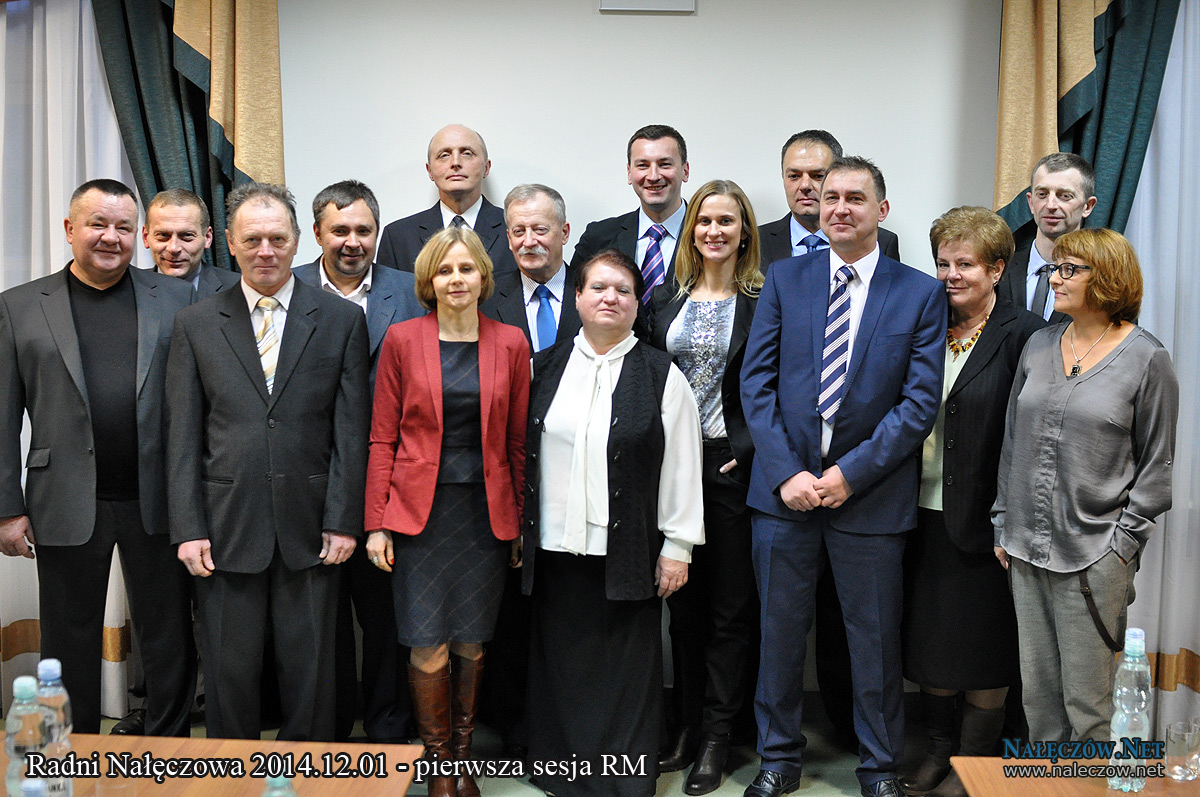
<point x="960" y="633"/>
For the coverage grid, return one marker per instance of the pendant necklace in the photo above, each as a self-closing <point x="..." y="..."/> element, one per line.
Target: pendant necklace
<point x="1075" y="368"/>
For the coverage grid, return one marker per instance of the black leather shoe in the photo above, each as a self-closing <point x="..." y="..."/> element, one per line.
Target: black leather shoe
<point x="772" y="784"/>
<point x="710" y="764"/>
<point x="885" y="788"/>
<point x="682" y="751"/>
<point x="132" y="724"/>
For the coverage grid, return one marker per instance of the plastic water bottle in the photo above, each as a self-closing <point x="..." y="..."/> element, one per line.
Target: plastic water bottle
<point x="33" y="787"/>
<point x="24" y="732"/>
<point x="53" y="697"/>
<point x="279" y="786"/>
<point x="1131" y="696"/>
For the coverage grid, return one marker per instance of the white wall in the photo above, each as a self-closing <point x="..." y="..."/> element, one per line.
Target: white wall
<point x="553" y="86"/>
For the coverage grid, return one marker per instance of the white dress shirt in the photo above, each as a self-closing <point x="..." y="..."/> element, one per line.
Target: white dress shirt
<point x="556" y="285"/>
<point x="470" y="215"/>
<point x="668" y="243"/>
<point x="1036" y="261"/>
<point x="859" y="287"/>
<point x="359" y="295"/>
<point x="279" y="319"/>
<point x="680" y="502"/>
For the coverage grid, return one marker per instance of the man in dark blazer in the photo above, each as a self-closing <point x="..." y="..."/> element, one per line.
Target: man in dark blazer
<point x="838" y="418"/>
<point x="657" y="167"/>
<point x="84" y="352"/>
<point x="1060" y="197"/>
<point x="177" y="233"/>
<point x="457" y="163"/>
<point x="267" y="448"/>
<point x="346" y="223"/>
<point x="537" y="231"/>
<point x="806" y="157"/>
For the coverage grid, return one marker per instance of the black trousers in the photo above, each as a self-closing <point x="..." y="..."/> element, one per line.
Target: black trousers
<point x="72" y="587"/>
<point x="298" y="610"/>
<point x="713" y="617"/>
<point x="387" y="707"/>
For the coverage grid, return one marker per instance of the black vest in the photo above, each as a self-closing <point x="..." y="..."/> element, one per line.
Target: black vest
<point x="635" y="453"/>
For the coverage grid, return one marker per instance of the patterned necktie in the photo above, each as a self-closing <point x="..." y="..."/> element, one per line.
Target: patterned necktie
<point x="1041" y="292"/>
<point x="458" y="221"/>
<point x="653" y="271"/>
<point x="547" y="330"/>
<point x="813" y="242"/>
<point x="836" y="355"/>
<point x="267" y="340"/>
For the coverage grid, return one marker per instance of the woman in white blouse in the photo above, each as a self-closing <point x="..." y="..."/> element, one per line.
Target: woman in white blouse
<point x="611" y="515"/>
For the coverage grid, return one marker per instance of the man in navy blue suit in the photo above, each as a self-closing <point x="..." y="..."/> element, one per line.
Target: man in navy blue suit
<point x="346" y="223"/>
<point x="840" y="386"/>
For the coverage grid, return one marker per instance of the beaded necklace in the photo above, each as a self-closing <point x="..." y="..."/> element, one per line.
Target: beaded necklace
<point x="957" y="347"/>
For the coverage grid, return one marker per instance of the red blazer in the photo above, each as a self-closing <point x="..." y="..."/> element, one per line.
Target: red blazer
<point x="406" y="426"/>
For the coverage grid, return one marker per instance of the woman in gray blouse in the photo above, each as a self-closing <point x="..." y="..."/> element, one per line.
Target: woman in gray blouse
<point x="703" y="322"/>
<point x="1084" y="471"/>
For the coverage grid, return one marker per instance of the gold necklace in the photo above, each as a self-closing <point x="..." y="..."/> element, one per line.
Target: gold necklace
<point x="1075" y="368"/>
<point x="958" y="348"/>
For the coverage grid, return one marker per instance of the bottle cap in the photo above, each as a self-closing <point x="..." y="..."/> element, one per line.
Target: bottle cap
<point x="275" y="781"/>
<point x="1135" y="641"/>
<point x="33" y="787"/>
<point x="25" y="687"/>
<point x="49" y="670"/>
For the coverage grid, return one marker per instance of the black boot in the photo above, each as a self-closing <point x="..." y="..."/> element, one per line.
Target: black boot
<point x="682" y="750"/>
<point x="940" y="714"/>
<point x="980" y="733"/>
<point x="710" y="764"/>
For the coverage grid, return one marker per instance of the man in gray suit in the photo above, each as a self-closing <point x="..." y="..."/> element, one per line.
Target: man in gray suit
<point x="84" y="352"/>
<point x="177" y="233"/>
<point x="267" y="444"/>
<point x="346" y="223"/>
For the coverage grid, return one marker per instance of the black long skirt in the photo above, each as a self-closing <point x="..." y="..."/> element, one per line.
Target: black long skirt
<point x="595" y="683"/>
<point x="960" y="630"/>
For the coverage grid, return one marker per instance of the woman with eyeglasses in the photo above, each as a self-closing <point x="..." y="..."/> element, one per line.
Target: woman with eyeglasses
<point x="1084" y="471"/>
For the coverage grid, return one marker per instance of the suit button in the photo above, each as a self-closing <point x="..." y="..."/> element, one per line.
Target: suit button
<point x="537" y="421"/>
<point x="616" y="525"/>
<point x="271" y="422"/>
<point x="529" y="523"/>
<point x="617" y="493"/>
<point x="950" y="444"/>
<point x="952" y="408"/>
<point x="949" y="481"/>
<point x="90" y="450"/>
<point x="268" y="477"/>
<point x="531" y="489"/>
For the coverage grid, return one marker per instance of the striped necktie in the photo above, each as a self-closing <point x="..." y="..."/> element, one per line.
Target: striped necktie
<point x="653" y="271"/>
<point x="812" y="243"/>
<point x="836" y="355"/>
<point x="267" y="340"/>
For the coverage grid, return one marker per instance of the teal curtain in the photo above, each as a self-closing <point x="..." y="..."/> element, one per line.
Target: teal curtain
<point x="163" y="115"/>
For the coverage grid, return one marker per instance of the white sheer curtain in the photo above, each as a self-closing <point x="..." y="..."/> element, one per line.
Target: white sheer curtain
<point x="58" y="130"/>
<point x="1163" y="228"/>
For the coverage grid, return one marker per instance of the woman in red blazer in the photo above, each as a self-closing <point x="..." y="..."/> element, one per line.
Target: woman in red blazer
<point x="444" y="485"/>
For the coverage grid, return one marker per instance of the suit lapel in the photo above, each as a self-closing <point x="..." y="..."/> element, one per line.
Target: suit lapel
<point x="238" y="329"/>
<point x="487" y="371"/>
<point x="986" y="346"/>
<point x="743" y="315"/>
<point x="816" y="285"/>
<point x="489" y="224"/>
<point x="628" y="237"/>
<point x="881" y="284"/>
<point x="301" y="323"/>
<point x="568" y="319"/>
<point x="664" y="317"/>
<point x="511" y="304"/>
<point x="149" y="317"/>
<point x="429" y="222"/>
<point x="432" y="354"/>
<point x="380" y="310"/>
<point x="56" y="305"/>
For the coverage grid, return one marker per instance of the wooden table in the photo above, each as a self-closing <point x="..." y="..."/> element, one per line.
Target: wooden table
<point x="984" y="777"/>
<point x="265" y="757"/>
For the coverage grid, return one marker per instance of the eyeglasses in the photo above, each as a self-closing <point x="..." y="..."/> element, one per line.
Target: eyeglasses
<point x="1065" y="270"/>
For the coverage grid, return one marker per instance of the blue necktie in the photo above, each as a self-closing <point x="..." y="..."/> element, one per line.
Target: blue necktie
<point x="458" y="221"/>
<point x="653" y="271"/>
<point x="836" y="355"/>
<point x="547" y="330"/>
<point x="813" y="242"/>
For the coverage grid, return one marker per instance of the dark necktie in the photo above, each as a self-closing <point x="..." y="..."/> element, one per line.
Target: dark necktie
<point x="1041" y="292"/>
<point x="458" y="221"/>
<point x="813" y="242"/>
<point x="653" y="271"/>
<point x="836" y="355"/>
<point x="547" y="330"/>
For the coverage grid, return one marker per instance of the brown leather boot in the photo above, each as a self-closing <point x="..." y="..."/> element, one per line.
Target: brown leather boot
<point x="464" y="698"/>
<point x="431" y="704"/>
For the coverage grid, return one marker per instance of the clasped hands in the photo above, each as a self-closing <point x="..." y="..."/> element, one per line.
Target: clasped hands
<point x="805" y="491"/>
<point x="196" y="555"/>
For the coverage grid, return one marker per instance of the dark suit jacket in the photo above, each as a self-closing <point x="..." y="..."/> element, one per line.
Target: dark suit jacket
<point x="392" y="299"/>
<point x="406" y="426"/>
<point x="618" y="232"/>
<point x="403" y="239"/>
<point x="1012" y="284"/>
<point x="892" y="391"/>
<point x="41" y="372"/>
<point x="213" y="280"/>
<point x="775" y="241"/>
<point x="974" y="425"/>
<point x="666" y="303"/>
<point x="507" y="305"/>
<point x="251" y="470"/>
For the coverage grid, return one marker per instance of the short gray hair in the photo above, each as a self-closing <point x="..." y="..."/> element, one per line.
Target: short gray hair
<point x="528" y="191"/>
<point x="263" y="193"/>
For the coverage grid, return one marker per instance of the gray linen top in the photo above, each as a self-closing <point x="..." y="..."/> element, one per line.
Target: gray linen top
<point x="1086" y="462"/>
<point x="698" y="339"/>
